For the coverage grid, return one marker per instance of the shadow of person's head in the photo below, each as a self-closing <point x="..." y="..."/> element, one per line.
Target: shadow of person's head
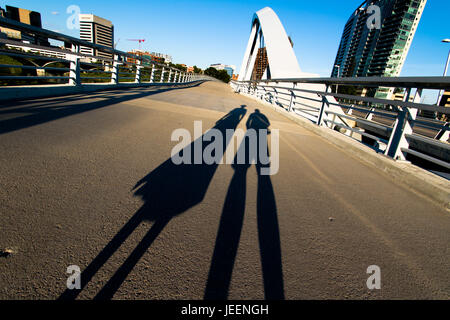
<point x="257" y="120"/>
<point x="171" y="188"/>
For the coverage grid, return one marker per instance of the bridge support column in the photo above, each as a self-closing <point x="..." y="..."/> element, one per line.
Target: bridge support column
<point x="115" y="70"/>
<point x="322" y="111"/>
<point x="75" y="78"/>
<point x="402" y="127"/>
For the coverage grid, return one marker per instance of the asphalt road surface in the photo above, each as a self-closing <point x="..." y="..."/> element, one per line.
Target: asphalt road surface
<point x="87" y="180"/>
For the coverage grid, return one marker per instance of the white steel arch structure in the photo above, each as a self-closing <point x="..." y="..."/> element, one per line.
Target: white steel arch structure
<point x="268" y="31"/>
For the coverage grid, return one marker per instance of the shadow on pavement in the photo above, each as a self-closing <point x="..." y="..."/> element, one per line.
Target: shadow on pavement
<point x="230" y="227"/>
<point x="45" y="112"/>
<point x="167" y="191"/>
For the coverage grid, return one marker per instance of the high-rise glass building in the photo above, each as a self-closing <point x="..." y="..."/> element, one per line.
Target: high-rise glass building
<point x="377" y="38"/>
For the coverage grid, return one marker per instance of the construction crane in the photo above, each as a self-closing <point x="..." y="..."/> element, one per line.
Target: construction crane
<point x="139" y="40"/>
<point x="115" y="44"/>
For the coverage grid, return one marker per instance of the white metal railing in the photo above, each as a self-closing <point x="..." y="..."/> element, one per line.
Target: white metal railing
<point x="392" y="127"/>
<point x="75" y="68"/>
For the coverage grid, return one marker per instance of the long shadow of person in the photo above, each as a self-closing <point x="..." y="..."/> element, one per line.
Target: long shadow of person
<point x="167" y="191"/>
<point x="230" y="226"/>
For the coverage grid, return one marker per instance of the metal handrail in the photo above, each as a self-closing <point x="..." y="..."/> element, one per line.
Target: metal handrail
<point x="326" y="109"/>
<point x="433" y="82"/>
<point x="74" y="55"/>
<point x="408" y="104"/>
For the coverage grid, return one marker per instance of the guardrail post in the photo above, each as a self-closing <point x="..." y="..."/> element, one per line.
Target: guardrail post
<point x="175" y="77"/>
<point x="370" y="115"/>
<point x="322" y="108"/>
<point x="115" y="70"/>
<point x="184" y="76"/>
<point x="162" y="75"/>
<point x="292" y="97"/>
<point x="402" y="127"/>
<point x="170" y="75"/>
<point x="275" y="96"/>
<point x="444" y="134"/>
<point x="74" y="74"/>
<point x="152" y="75"/>
<point x="138" y="72"/>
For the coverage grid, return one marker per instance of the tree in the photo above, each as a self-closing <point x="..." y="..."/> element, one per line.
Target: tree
<point x="218" y="74"/>
<point x="178" y="66"/>
<point x="197" y="70"/>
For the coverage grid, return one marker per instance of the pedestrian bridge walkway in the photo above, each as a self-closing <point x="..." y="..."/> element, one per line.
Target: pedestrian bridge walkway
<point x="87" y="180"/>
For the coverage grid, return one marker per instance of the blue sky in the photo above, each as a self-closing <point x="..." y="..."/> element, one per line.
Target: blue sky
<point x="204" y="32"/>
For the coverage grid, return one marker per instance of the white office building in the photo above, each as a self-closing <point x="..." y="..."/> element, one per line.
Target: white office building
<point x="220" y="66"/>
<point x="96" y="30"/>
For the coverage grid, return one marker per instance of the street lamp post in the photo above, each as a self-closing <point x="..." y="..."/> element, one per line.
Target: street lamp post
<point x="441" y="92"/>
<point x="339" y="68"/>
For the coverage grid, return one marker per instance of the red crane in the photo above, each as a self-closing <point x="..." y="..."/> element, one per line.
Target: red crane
<point x="139" y="40"/>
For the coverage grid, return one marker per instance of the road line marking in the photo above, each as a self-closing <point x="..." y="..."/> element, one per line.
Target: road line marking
<point x="308" y="161"/>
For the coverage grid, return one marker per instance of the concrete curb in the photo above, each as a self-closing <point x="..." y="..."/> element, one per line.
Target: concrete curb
<point x="46" y="91"/>
<point x="414" y="178"/>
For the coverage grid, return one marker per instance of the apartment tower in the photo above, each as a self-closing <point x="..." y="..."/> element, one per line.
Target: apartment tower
<point x="375" y="45"/>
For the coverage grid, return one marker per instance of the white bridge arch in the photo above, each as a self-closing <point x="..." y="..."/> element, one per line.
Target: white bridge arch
<point x="268" y="32"/>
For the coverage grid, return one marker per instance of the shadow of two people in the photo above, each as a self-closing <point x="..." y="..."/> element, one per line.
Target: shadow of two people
<point x="167" y="191"/>
<point x="231" y="222"/>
